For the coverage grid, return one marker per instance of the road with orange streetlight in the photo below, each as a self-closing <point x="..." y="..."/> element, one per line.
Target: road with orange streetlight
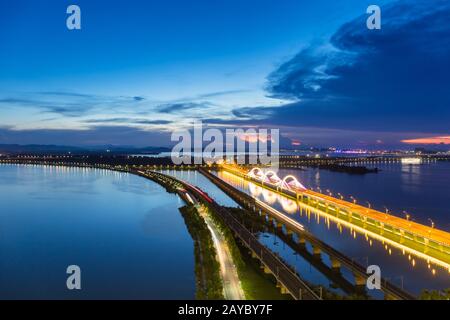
<point x="424" y="241"/>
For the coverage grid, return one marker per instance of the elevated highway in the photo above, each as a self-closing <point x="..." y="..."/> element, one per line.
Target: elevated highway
<point x="425" y="242"/>
<point x="338" y="259"/>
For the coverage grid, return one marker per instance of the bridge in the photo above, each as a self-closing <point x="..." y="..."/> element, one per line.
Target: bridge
<point x="288" y="280"/>
<point x="425" y="242"/>
<point x="292" y="227"/>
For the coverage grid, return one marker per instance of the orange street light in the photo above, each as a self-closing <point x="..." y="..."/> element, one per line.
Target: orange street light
<point x="407" y="215"/>
<point x="387" y="212"/>
<point x="432" y="223"/>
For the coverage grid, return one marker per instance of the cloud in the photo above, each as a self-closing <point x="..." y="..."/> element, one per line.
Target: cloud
<point x="129" y="121"/>
<point x="86" y="95"/>
<point x="429" y="140"/>
<point x="220" y="93"/>
<point x="69" y="110"/>
<point x="76" y="110"/>
<point x="248" y="113"/>
<point x="97" y="135"/>
<point x="182" y="106"/>
<point x="67" y="94"/>
<point x="393" y="79"/>
<point x="69" y="104"/>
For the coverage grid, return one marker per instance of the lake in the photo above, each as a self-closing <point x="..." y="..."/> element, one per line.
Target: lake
<point x="123" y="231"/>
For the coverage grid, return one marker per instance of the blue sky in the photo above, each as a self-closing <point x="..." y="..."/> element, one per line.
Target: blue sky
<point x="139" y="69"/>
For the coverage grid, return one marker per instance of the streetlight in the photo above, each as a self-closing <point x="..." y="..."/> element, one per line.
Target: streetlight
<point x="407" y="215"/>
<point x="320" y="190"/>
<point x="387" y="212"/>
<point x="432" y="223"/>
<point x="341" y="196"/>
<point x="354" y="200"/>
<point x="368" y="203"/>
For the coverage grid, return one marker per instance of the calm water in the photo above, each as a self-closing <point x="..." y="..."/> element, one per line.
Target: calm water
<point x="125" y="232"/>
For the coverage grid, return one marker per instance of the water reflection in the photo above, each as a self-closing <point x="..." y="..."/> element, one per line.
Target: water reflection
<point x="114" y="225"/>
<point x="411" y="178"/>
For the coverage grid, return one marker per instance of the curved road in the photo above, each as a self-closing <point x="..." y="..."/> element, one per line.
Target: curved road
<point x="231" y="284"/>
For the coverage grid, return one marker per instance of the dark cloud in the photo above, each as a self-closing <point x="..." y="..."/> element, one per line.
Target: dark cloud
<point x="62" y="108"/>
<point x="67" y="94"/>
<point x="248" y="113"/>
<point x="97" y="135"/>
<point x="69" y="110"/>
<point x="182" y="106"/>
<point x="220" y="93"/>
<point x="128" y="121"/>
<point x="396" y="78"/>
<point x="69" y="104"/>
<point x="15" y="101"/>
<point x="86" y="95"/>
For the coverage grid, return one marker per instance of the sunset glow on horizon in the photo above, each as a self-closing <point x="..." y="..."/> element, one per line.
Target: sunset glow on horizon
<point x="429" y="140"/>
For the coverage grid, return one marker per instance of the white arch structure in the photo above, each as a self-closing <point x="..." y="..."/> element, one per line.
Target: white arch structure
<point x="289" y="182"/>
<point x="256" y="173"/>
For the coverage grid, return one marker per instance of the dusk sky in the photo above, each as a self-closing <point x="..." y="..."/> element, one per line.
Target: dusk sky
<point x="139" y="69"/>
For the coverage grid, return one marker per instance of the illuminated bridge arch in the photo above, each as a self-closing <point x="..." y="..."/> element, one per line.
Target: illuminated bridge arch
<point x="291" y="182"/>
<point x="272" y="177"/>
<point x="256" y="173"/>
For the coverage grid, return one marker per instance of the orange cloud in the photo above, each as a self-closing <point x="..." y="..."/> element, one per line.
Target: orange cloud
<point x="430" y="140"/>
<point x="255" y="137"/>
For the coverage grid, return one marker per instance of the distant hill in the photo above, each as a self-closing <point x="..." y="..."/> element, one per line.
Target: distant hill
<point x="55" y="149"/>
